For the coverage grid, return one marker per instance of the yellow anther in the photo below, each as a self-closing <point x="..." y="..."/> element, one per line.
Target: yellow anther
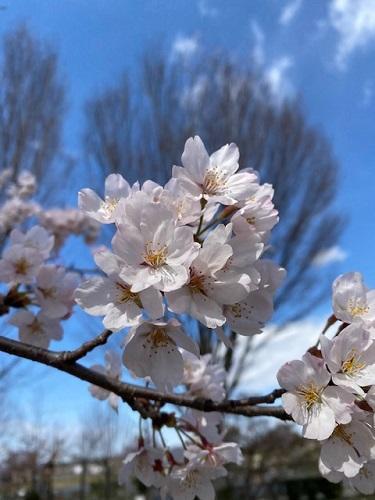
<point x="311" y="394"/>
<point x="108" y="206"/>
<point x="21" y="266"/>
<point x="125" y="295"/>
<point x="213" y="182"/>
<point x="155" y="257"/>
<point x="352" y="364"/>
<point x="159" y="337"/>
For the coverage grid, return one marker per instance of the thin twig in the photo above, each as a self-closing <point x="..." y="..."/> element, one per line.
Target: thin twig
<point x="90" y="345"/>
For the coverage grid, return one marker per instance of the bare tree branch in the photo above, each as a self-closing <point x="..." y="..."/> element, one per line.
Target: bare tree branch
<point x="133" y="395"/>
<point x="90" y="345"/>
<point x="32" y="106"/>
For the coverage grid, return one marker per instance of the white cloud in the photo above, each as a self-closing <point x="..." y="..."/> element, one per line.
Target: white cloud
<point x="354" y="22"/>
<point x="258" y="49"/>
<point x="191" y="96"/>
<point x="289" y="12"/>
<point x="206" y="9"/>
<point x="329" y="256"/>
<point x="185" y="46"/>
<point x="277" y="78"/>
<point x="273" y="349"/>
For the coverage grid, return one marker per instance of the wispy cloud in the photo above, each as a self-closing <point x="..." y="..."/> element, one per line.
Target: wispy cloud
<point x="206" y="9"/>
<point x="329" y="256"/>
<point x="277" y="78"/>
<point x="354" y="22"/>
<point x="185" y="46"/>
<point x="289" y="12"/>
<point x="273" y="348"/>
<point x="258" y="48"/>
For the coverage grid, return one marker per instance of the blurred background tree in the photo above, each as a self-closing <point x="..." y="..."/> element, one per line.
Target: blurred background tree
<point x="138" y="128"/>
<point x="32" y="107"/>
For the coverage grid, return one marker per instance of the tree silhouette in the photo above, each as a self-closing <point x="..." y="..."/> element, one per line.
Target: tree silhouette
<point x="32" y="105"/>
<point x="138" y="128"/>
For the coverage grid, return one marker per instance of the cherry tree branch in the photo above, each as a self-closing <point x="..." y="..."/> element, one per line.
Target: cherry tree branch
<point x="90" y="345"/>
<point x="138" y="397"/>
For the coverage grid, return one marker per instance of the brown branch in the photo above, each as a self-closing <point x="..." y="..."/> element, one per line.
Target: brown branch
<point x="133" y="394"/>
<point x="80" y="352"/>
<point x="255" y="400"/>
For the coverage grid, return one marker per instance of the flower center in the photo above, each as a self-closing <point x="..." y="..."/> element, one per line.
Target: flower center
<point x="35" y="327"/>
<point x="352" y="364"/>
<point x="364" y="472"/>
<point x="343" y="434"/>
<point x="108" y="206"/>
<point x="48" y="293"/>
<point x="213" y="182"/>
<point x="21" y="266"/>
<point x="155" y="257"/>
<point x="191" y="479"/>
<point x="357" y="309"/>
<point x="236" y="310"/>
<point x="251" y="220"/>
<point x="159" y="337"/>
<point x="311" y="395"/>
<point x="125" y="295"/>
<point x="196" y="283"/>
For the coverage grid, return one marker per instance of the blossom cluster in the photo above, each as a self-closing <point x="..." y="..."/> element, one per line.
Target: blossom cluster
<point x="33" y="283"/>
<point x="331" y="391"/>
<point x="43" y="291"/>
<point x="192" y="247"/>
<point x="17" y="207"/>
<point x="186" y="473"/>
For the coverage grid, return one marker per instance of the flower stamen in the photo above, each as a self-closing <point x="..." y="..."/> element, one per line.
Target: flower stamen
<point x="155" y="257"/>
<point x="213" y="182"/>
<point x="311" y="395"/>
<point x="352" y="365"/>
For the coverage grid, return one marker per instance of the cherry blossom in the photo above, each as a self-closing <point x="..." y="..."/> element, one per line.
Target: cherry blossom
<point x="112" y="369"/>
<point x="20" y="264"/>
<point x="348" y="448"/>
<point x="249" y="316"/>
<point x="311" y="402"/>
<point x="193" y="480"/>
<point x="204" y="377"/>
<point x="363" y="481"/>
<point x="215" y="456"/>
<point x="207" y="288"/>
<point x="257" y="214"/>
<point x="186" y="208"/>
<point x="156" y="251"/>
<point x="214" y="177"/>
<point x="352" y="301"/>
<point x="38" y="330"/>
<point x="37" y="238"/>
<point x="116" y="187"/>
<point x="350" y="357"/>
<point x="146" y="464"/>
<point x="151" y="350"/>
<point x="112" y="297"/>
<point x="54" y="290"/>
<point x="63" y="223"/>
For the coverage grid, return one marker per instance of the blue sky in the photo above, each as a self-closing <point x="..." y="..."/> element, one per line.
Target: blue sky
<point x="323" y="51"/>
